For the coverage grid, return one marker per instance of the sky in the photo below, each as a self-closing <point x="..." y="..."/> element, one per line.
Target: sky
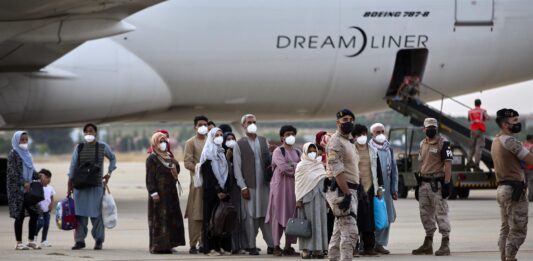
<point x="516" y="96"/>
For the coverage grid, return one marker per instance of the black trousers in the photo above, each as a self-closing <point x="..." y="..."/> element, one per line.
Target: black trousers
<point x="32" y="226"/>
<point x="365" y="219"/>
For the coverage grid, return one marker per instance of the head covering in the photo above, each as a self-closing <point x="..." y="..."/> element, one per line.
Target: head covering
<point x="345" y="112"/>
<point x="155" y="141"/>
<point x="169" y="150"/>
<point x="431" y="122"/>
<point x="25" y="155"/>
<point x="308" y="173"/>
<point x="322" y="139"/>
<point x="507" y="113"/>
<point x="226" y="134"/>
<point x="225" y="128"/>
<point x="215" y="153"/>
<point x="318" y="137"/>
<point x="163" y="131"/>
<point x="163" y="156"/>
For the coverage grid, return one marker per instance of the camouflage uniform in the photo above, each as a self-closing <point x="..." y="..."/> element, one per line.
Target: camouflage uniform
<point x="343" y="159"/>
<point x="345" y="234"/>
<point x="507" y="152"/>
<point x="433" y="208"/>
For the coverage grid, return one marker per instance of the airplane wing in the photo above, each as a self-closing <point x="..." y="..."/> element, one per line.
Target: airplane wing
<point x="34" y="33"/>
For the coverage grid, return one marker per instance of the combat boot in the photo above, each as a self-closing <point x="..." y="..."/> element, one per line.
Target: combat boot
<point x="444" y="249"/>
<point x="426" y="248"/>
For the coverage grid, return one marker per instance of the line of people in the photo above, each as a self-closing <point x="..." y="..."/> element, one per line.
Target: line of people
<point x="332" y="181"/>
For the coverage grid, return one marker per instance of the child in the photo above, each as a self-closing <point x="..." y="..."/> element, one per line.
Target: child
<point x="46" y="206"/>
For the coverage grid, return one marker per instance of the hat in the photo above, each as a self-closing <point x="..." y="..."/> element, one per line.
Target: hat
<point x="507" y="113"/>
<point x="345" y="112"/>
<point x="431" y="122"/>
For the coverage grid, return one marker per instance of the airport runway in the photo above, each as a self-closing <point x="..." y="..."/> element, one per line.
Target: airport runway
<point x="475" y="227"/>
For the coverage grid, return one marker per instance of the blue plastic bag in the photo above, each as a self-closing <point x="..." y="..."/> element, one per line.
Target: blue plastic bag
<point x="380" y="214"/>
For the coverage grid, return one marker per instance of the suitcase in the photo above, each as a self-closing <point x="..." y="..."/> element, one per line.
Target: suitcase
<point x="66" y="214"/>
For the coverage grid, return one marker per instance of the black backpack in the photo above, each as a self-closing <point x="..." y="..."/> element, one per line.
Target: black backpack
<point x="88" y="174"/>
<point x="222" y="221"/>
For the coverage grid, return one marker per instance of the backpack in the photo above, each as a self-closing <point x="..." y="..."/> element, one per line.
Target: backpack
<point x="222" y="221"/>
<point x="66" y="214"/>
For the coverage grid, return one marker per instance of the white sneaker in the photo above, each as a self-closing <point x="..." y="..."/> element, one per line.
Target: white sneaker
<point x="45" y="244"/>
<point x="21" y="247"/>
<point x="33" y="246"/>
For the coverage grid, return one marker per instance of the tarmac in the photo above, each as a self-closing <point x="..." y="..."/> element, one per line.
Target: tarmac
<point x="475" y="227"/>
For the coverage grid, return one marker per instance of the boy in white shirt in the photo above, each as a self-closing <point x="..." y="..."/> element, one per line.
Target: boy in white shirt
<point x="46" y="206"/>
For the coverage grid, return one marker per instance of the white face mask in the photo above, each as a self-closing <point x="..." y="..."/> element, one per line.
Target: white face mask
<point x="319" y="158"/>
<point x="163" y="146"/>
<point x="89" y="138"/>
<point x="202" y="130"/>
<point x="312" y="155"/>
<point x="290" y="140"/>
<point x="230" y="143"/>
<point x="252" y="129"/>
<point x="24" y="146"/>
<point x="361" y="140"/>
<point x="381" y="138"/>
<point x="218" y="140"/>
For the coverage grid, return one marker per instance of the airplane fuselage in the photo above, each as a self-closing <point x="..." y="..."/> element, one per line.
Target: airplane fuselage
<point x="277" y="59"/>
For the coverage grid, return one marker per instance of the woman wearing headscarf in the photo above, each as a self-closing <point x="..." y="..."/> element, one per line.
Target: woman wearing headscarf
<point x="238" y="237"/>
<point x="165" y="221"/>
<point x="20" y="173"/>
<point x="167" y="134"/>
<point x="311" y="202"/>
<point x="214" y="171"/>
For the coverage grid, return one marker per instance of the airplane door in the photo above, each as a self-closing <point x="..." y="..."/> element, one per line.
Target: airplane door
<point x="474" y="12"/>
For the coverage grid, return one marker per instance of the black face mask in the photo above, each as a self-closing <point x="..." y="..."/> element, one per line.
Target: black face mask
<point x="431" y="133"/>
<point x="347" y="127"/>
<point x="516" y="128"/>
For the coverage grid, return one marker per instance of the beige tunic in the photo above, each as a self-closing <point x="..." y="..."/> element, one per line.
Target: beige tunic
<point x="193" y="151"/>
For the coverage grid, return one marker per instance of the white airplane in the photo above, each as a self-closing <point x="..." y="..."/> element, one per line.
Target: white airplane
<point x="70" y="61"/>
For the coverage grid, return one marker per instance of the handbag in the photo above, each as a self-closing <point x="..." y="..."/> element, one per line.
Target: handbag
<point x="35" y="195"/>
<point x="298" y="227"/>
<point x="381" y="217"/>
<point x="109" y="209"/>
<point x="88" y="174"/>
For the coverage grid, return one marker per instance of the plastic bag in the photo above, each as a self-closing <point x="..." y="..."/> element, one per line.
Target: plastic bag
<point x="380" y="214"/>
<point x="197" y="178"/>
<point x="109" y="210"/>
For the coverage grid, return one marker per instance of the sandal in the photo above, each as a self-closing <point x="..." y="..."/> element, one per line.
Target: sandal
<point x="290" y="252"/>
<point x="318" y="254"/>
<point x="214" y="253"/>
<point x="305" y="254"/>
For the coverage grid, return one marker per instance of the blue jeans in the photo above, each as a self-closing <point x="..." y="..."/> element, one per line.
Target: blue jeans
<point x="43" y="222"/>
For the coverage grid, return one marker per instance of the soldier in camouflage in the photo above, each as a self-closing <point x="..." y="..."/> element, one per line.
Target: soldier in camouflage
<point x="507" y="152"/>
<point x="343" y="167"/>
<point x="434" y="181"/>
